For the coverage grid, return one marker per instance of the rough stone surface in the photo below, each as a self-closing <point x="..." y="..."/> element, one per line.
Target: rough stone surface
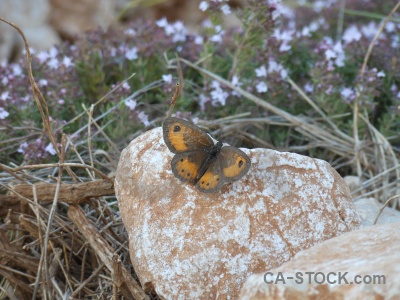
<point x="368" y="209"/>
<point x="185" y="244"/>
<point x="367" y="252"/>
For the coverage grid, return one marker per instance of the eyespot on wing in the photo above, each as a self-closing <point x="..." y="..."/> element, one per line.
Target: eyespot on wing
<point x="234" y="163"/>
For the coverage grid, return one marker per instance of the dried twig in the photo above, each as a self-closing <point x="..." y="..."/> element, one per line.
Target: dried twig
<point x="383" y="207"/>
<point x="75" y="193"/>
<point x="174" y="98"/>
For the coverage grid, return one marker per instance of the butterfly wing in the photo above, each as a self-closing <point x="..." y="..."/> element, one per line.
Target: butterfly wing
<point x="212" y="180"/>
<point x="234" y="163"/>
<point x="181" y="136"/>
<point x="186" y="165"/>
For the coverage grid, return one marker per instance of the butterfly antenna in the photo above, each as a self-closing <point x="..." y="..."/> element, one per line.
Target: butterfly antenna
<point x="242" y="139"/>
<point x="247" y="141"/>
<point x="173" y="101"/>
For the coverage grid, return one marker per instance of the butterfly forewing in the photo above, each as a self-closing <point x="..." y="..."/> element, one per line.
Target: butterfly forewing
<point x="212" y="180"/>
<point x="234" y="163"/>
<point x="186" y="165"/>
<point x="181" y="136"/>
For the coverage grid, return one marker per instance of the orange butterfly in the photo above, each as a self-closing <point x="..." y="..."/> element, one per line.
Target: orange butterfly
<point x="198" y="160"/>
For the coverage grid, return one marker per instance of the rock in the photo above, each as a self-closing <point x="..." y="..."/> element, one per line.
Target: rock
<point x="185" y="244"/>
<point x="31" y="16"/>
<point x="354" y="183"/>
<point x="372" y="252"/>
<point x="74" y="17"/>
<point x="368" y="209"/>
<point x="42" y="21"/>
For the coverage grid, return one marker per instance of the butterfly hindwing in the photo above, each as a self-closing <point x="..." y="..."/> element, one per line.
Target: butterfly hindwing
<point x="186" y="165"/>
<point x="181" y="136"/>
<point x="234" y="163"/>
<point x="212" y="180"/>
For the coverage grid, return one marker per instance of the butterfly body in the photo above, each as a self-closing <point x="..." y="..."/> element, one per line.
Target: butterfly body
<point x="211" y="155"/>
<point x="198" y="160"/>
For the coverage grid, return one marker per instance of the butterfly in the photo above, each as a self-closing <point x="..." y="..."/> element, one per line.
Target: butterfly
<point x="200" y="161"/>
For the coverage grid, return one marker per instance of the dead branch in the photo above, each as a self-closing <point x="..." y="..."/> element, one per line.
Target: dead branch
<point x="75" y="193"/>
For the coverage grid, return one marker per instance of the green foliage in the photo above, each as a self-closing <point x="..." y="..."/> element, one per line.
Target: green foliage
<point x="91" y="76"/>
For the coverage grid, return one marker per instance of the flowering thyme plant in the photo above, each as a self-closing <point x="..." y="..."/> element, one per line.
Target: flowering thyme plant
<point x="304" y="43"/>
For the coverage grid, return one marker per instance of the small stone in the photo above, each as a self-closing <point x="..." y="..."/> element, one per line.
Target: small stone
<point x="368" y="209"/>
<point x="354" y="183"/>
